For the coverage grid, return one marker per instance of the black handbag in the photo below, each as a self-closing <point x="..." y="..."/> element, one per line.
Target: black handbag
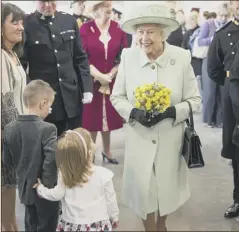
<point x="192" y="145"/>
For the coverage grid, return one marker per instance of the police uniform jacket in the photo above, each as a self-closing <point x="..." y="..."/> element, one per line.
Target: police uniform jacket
<point x="222" y="51"/>
<point x="81" y="19"/>
<point x="54" y="53"/>
<point x="234" y="90"/>
<point x="221" y="56"/>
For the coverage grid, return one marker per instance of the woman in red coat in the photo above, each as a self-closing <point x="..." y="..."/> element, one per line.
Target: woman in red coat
<point x="103" y="40"/>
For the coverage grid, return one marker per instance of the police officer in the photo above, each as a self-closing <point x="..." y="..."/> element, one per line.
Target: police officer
<point x="117" y="12"/>
<point x="234" y="93"/>
<point x="53" y="52"/>
<point x="220" y="58"/>
<point x="79" y="8"/>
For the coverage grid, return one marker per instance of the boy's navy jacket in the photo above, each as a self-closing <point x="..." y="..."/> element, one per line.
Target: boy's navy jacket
<point x="29" y="145"/>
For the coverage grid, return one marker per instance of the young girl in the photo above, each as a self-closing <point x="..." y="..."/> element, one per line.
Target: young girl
<point x="86" y="191"/>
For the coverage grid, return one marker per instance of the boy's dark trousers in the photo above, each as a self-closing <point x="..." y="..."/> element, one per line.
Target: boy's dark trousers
<point x="42" y="216"/>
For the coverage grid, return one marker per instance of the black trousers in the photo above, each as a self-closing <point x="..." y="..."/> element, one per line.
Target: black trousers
<point x="230" y="150"/>
<point x="42" y="216"/>
<point x="67" y="124"/>
<point x="235" y="166"/>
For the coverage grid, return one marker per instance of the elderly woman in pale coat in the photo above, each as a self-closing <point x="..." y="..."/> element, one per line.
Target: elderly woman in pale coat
<point x="155" y="174"/>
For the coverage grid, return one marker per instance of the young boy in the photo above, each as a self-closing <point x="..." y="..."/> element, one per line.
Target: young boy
<point x="29" y="146"/>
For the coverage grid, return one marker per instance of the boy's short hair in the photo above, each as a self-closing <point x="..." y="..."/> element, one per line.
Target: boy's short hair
<point x="36" y="91"/>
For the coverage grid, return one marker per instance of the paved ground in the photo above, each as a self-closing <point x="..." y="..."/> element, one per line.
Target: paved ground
<point x="211" y="189"/>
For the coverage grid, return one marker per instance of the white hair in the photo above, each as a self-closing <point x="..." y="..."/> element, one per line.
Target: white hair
<point x="163" y="28"/>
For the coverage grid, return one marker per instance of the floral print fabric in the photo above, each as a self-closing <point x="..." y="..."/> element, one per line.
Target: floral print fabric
<point x="97" y="226"/>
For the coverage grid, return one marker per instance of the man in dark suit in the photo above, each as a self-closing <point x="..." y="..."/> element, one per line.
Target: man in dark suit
<point x="53" y="52"/>
<point x="29" y="147"/>
<point x="221" y="56"/>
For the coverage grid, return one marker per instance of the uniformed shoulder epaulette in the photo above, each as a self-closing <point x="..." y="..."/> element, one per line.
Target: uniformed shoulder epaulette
<point x="224" y="26"/>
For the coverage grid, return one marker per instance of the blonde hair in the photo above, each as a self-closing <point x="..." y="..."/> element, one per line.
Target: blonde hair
<point x="74" y="158"/>
<point x="36" y="91"/>
<point x="96" y="7"/>
<point x="194" y="15"/>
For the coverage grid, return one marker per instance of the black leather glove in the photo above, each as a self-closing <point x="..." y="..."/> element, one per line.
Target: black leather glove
<point x="168" y="113"/>
<point x="140" y="116"/>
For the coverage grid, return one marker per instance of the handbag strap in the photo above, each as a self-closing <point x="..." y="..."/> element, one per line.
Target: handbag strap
<point x="190" y="121"/>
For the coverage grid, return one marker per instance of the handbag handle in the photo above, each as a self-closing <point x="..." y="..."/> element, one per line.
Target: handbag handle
<point x="190" y="121"/>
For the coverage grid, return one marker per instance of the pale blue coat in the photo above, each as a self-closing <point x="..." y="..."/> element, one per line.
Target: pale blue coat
<point x="160" y="145"/>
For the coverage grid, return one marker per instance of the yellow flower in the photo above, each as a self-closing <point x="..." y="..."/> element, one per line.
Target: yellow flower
<point x="137" y="94"/>
<point x="152" y="97"/>
<point x="148" y="87"/>
<point x="137" y="104"/>
<point x="152" y="92"/>
<point x="167" y="102"/>
<point x="148" y="105"/>
<point x="162" y="101"/>
<point x="144" y="96"/>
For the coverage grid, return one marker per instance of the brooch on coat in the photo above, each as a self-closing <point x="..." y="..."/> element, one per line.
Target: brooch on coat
<point x="172" y="62"/>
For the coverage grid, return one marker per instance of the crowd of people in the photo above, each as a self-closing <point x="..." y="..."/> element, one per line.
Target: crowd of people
<point x="67" y="77"/>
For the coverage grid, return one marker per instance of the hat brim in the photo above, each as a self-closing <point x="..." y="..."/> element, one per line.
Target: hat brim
<point x="129" y="25"/>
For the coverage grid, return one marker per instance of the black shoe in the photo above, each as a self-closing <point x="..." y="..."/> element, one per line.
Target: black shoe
<point x="111" y="161"/>
<point x="232" y="211"/>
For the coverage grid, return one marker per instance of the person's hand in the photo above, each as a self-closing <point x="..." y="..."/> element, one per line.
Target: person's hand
<point x="105" y="79"/>
<point x="115" y="225"/>
<point x="37" y="184"/>
<point x="87" y="98"/>
<point x="168" y="113"/>
<point x="140" y="116"/>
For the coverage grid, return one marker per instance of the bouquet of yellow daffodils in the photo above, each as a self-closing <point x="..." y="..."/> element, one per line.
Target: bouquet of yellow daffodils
<point x="153" y="98"/>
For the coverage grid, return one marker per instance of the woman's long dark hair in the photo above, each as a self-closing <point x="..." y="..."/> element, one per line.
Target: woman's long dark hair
<point x="17" y="14"/>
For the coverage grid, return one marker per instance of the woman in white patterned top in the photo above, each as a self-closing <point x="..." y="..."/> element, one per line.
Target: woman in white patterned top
<point x="12" y="84"/>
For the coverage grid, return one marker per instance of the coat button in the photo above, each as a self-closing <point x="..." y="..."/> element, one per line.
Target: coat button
<point x="154" y="142"/>
<point x="153" y="67"/>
